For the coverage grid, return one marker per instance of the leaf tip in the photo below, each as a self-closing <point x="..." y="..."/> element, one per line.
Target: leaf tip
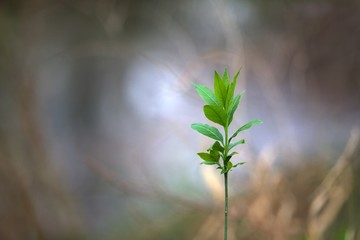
<point x="193" y="126"/>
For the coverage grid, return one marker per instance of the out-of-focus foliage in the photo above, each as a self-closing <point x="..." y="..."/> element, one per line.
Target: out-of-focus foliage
<point x="96" y="102"/>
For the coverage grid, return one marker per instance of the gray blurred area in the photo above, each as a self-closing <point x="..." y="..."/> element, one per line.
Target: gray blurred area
<point x="96" y="103"/>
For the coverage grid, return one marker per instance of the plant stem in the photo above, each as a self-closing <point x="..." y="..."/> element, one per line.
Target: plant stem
<point x="226" y="205"/>
<point x="226" y="182"/>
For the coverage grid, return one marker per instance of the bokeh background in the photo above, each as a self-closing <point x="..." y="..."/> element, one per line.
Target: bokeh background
<point x="96" y="102"/>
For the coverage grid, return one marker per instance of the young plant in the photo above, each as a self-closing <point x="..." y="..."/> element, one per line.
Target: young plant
<point x="220" y="108"/>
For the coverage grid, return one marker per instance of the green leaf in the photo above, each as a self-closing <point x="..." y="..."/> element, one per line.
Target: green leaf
<point x="242" y="141"/>
<point x="206" y="94"/>
<point x="217" y="147"/>
<point x="205" y="156"/>
<point x="236" y="76"/>
<point x="240" y="163"/>
<point x="215" y="155"/>
<point x="220" y="89"/>
<point x="245" y="127"/>
<point x="229" y="165"/>
<point x="233" y="108"/>
<point x="230" y="156"/>
<point x="215" y="114"/>
<point x="208" y="131"/>
<point x="226" y="77"/>
<point x="231" y="90"/>
<point x="208" y="163"/>
<point x="250" y="124"/>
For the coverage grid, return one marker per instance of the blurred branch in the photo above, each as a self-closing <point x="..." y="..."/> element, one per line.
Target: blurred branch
<point x="333" y="191"/>
<point x="18" y="216"/>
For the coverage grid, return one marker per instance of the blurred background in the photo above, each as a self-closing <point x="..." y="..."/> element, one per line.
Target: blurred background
<point x="96" y="103"/>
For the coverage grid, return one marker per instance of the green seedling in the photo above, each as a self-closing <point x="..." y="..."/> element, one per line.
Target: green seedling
<point x="220" y="107"/>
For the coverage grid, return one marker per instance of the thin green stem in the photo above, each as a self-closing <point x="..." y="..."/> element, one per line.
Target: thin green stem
<point x="226" y="205"/>
<point x="226" y="182"/>
<point x="226" y="145"/>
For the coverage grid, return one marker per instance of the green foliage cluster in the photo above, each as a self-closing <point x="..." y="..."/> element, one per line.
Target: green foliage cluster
<point x="220" y="108"/>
